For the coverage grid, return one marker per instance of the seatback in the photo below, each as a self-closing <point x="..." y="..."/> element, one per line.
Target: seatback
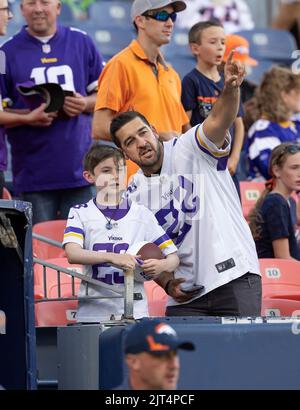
<point x="250" y="192"/>
<point x="53" y="230"/>
<point x="157" y="299"/>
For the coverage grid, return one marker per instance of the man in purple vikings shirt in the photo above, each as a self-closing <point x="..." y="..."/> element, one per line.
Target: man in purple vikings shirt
<point x="47" y="161"/>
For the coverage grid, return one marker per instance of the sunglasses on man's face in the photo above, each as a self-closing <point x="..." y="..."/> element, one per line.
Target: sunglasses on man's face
<point x="162" y="16"/>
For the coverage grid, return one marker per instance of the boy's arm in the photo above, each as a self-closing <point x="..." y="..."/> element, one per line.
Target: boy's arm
<point x="225" y="109"/>
<point x="234" y="158"/>
<point x="76" y="254"/>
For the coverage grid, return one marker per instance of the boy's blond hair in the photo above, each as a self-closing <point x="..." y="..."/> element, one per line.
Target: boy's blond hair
<point x="197" y="29"/>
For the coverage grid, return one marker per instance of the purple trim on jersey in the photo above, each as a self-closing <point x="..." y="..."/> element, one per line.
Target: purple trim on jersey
<point x="209" y="153"/>
<point x="3" y="150"/>
<point x="162" y="239"/>
<point x="222" y="164"/>
<point x="74" y="229"/>
<point x="114" y="212"/>
<point x="175" y="141"/>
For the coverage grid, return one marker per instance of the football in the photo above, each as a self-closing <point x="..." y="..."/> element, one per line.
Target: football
<point x="146" y="250"/>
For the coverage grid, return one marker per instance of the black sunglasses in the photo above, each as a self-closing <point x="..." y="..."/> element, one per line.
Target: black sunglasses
<point x="162" y="16"/>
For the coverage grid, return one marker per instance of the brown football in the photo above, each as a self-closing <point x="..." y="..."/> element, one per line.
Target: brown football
<point x="150" y="251"/>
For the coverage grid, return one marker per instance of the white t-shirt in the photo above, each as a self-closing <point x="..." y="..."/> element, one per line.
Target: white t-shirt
<point x="199" y="208"/>
<point x="132" y="223"/>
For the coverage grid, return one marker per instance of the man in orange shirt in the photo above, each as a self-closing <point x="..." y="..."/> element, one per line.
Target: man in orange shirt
<point x="138" y="77"/>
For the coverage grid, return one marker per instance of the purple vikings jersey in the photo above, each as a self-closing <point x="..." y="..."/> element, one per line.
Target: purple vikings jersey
<point x="50" y="157"/>
<point x="263" y="137"/>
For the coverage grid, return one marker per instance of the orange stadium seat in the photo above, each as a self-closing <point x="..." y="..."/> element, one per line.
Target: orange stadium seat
<point x="55" y="313"/>
<point x="280" y="278"/>
<point x="58" y="313"/>
<point x="51" y="278"/>
<point x="280" y="307"/>
<point x="157" y="299"/>
<point x="250" y="192"/>
<point x="131" y="169"/>
<point x="6" y="194"/>
<point x="53" y="230"/>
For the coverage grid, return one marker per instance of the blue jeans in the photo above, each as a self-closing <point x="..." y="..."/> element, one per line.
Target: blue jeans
<point x="55" y="204"/>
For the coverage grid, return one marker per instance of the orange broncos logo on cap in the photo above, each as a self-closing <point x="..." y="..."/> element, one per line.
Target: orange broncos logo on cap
<point x="156" y="346"/>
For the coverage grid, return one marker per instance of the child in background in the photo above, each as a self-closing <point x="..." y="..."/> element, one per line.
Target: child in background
<point x="272" y="222"/>
<point x="99" y="233"/>
<point x="278" y="98"/>
<point x="203" y="85"/>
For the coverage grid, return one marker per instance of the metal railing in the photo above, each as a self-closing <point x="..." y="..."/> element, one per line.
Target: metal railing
<point x="128" y="292"/>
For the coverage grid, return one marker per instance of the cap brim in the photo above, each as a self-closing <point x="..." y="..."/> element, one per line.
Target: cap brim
<point x="174" y="346"/>
<point x="178" y="6"/>
<point x="50" y="93"/>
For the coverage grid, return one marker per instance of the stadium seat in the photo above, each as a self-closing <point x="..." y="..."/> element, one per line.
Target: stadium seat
<point x="280" y="307"/>
<point x="255" y="74"/>
<point x="131" y="169"/>
<point x="55" y="313"/>
<point x="182" y="65"/>
<point x="157" y="299"/>
<point x="179" y="46"/>
<point x="6" y="194"/>
<point x="52" y="279"/>
<point x="270" y="44"/>
<point x="116" y="13"/>
<point x="250" y="192"/>
<point x="280" y="278"/>
<point x="53" y="230"/>
<point x="109" y="39"/>
<point x="58" y="313"/>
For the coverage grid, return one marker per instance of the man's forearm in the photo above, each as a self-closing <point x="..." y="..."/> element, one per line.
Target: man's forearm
<point x="222" y="115"/>
<point x="90" y="102"/>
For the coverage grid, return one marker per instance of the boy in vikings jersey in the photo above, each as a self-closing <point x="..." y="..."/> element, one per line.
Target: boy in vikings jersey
<point x="99" y="233"/>
<point x="47" y="158"/>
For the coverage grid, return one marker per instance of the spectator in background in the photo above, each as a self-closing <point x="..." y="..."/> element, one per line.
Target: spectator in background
<point x="288" y="18"/>
<point x="13" y="119"/>
<point x="47" y="161"/>
<point x="272" y="221"/>
<point x="278" y="98"/>
<point x="151" y="356"/>
<point x="138" y="77"/>
<point x="203" y="85"/>
<point x="234" y="15"/>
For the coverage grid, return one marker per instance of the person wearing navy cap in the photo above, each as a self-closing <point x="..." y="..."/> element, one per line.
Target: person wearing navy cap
<point x="151" y="356"/>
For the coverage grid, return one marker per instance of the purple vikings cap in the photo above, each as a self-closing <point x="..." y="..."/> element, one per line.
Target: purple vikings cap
<point x="155" y="337"/>
<point x="35" y="94"/>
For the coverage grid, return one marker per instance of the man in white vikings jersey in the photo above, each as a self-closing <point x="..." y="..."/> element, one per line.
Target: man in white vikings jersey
<point x="99" y="233"/>
<point x="195" y="201"/>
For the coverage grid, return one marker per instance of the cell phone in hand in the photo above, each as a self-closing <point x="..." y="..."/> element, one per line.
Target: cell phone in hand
<point x="193" y="289"/>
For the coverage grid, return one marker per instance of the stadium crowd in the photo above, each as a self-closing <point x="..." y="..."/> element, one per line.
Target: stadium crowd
<point x="168" y="125"/>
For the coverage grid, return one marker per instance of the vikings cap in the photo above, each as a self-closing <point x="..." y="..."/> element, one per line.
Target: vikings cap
<point x="35" y="94"/>
<point x="155" y="337"/>
<point x="141" y="6"/>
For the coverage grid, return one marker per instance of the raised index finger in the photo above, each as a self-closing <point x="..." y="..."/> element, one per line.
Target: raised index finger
<point x="230" y="57"/>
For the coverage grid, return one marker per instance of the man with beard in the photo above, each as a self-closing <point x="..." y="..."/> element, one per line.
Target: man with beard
<point x="200" y="210"/>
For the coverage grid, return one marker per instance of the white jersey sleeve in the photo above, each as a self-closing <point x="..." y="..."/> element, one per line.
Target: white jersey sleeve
<point x="74" y="231"/>
<point x="194" y="143"/>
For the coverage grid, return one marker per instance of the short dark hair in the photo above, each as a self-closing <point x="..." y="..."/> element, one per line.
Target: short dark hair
<point x="98" y="153"/>
<point x="198" y="28"/>
<point x="122" y="119"/>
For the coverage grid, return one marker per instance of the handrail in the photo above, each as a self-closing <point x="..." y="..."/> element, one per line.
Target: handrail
<point x="47" y="240"/>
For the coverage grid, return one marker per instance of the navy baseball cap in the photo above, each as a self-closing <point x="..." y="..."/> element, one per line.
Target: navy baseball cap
<point x="155" y="337"/>
<point x="35" y="94"/>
